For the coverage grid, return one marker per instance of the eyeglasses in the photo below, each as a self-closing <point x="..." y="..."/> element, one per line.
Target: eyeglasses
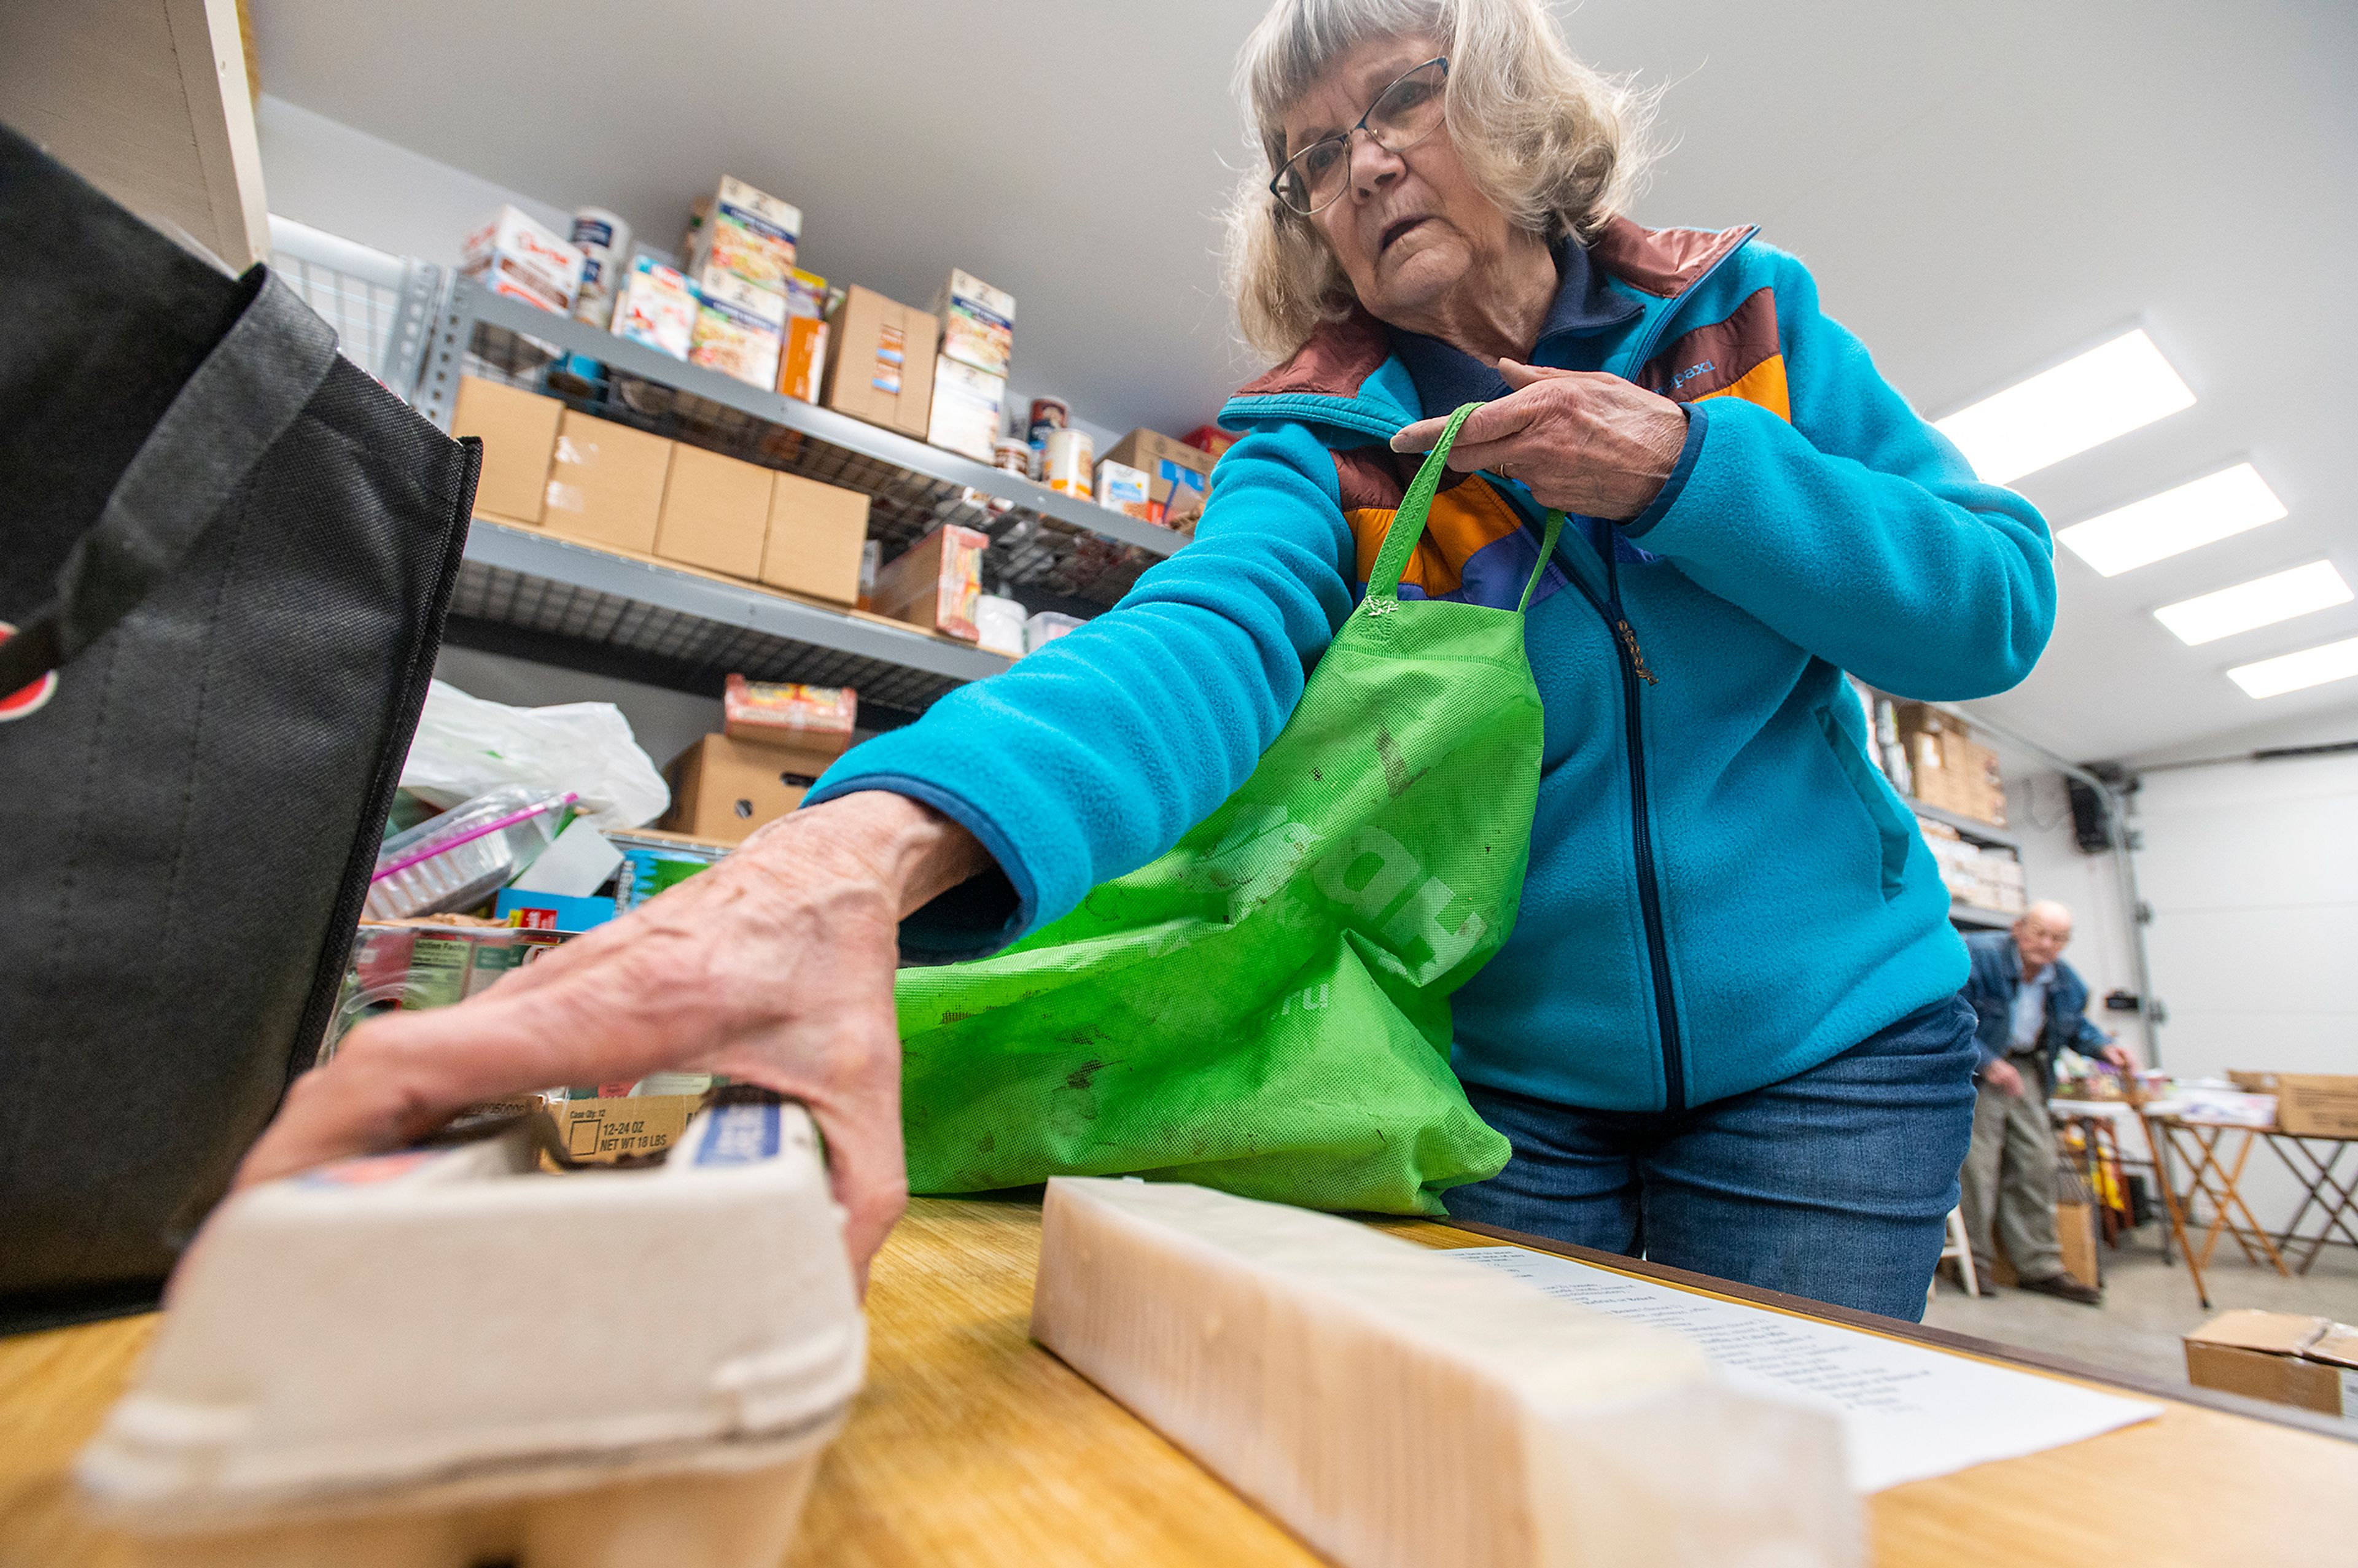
<point x="1403" y="115"/>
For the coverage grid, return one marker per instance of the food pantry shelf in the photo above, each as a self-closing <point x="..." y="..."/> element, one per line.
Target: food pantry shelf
<point x="680" y="623"/>
<point x="1978" y="831"/>
<point x="1041" y="538"/>
<point x="1980" y="918"/>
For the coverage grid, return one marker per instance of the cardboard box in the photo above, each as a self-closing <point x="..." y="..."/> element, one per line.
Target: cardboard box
<point x="2317" y="1105"/>
<point x="655" y="307"/>
<point x="1212" y="439"/>
<point x="817" y="719"/>
<point x="2287" y="1357"/>
<point x="716" y="513"/>
<point x="880" y="362"/>
<point x="1949" y="769"/>
<point x="519" y="434"/>
<point x="969" y="409"/>
<point x="739" y="330"/>
<point x="606" y="483"/>
<point x="978" y="324"/>
<point x="815" y="535"/>
<point x="513" y="254"/>
<point x="609" y="1132"/>
<point x="724" y="789"/>
<point x="1170" y="467"/>
<point x="744" y="233"/>
<point x="935" y="584"/>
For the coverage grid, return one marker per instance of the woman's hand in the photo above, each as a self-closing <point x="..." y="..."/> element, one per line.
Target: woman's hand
<point x="1583" y="441"/>
<point x="775" y="967"/>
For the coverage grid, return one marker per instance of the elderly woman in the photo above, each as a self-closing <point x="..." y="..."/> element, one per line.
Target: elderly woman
<point x="1725" y="1031"/>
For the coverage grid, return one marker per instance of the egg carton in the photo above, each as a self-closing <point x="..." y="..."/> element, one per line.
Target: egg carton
<point x="445" y="1357"/>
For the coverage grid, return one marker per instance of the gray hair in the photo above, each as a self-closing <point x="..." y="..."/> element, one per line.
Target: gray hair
<point x="1558" y="145"/>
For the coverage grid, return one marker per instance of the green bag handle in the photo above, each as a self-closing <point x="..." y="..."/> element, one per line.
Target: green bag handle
<point x="1408" y="527"/>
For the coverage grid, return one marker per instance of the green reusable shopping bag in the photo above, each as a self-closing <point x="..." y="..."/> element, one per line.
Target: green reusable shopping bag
<point x="1265" y="1008"/>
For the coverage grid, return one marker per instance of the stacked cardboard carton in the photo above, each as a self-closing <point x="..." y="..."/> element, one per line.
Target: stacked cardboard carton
<point x="776" y="739"/>
<point x="1949" y="768"/>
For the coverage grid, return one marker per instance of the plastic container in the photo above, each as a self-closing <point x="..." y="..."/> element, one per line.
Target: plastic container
<point x="442" y="1358"/>
<point x="1047" y="626"/>
<point x="464" y="856"/>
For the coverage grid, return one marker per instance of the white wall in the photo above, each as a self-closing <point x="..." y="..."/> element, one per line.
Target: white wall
<point x="2252" y="872"/>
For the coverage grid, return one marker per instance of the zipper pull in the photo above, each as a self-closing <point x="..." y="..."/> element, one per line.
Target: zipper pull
<point x="1637" y="654"/>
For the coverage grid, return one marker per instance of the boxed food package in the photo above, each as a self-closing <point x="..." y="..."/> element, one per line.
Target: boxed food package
<point x="1123" y="489"/>
<point x="814" y="718"/>
<point x="978" y="324"/>
<point x="613" y="1129"/>
<point x="2290" y="1359"/>
<point x="968" y="407"/>
<point x="998" y="625"/>
<point x="724" y="789"/>
<point x="605" y="482"/>
<point x="518" y="429"/>
<point x="936" y="583"/>
<point x="803" y="361"/>
<point x="746" y="234"/>
<point x="1179" y="476"/>
<point x="654" y="861"/>
<point x="655" y="307"/>
<point x="716" y="513"/>
<point x="513" y="254"/>
<point x="880" y="364"/>
<point x="815" y="538"/>
<point x="604" y="240"/>
<point x="739" y="329"/>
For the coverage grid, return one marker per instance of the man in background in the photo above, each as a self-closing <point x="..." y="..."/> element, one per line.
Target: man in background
<point x="2030" y="1005"/>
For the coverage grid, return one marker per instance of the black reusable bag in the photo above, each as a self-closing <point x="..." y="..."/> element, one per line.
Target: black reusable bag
<point x="235" y="550"/>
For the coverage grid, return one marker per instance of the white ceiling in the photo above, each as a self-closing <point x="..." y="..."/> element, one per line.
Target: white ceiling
<point x="1978" y="188"/>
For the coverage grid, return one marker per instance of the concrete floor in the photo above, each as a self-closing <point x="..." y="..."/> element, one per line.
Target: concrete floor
<point x="2147" y="1304"/>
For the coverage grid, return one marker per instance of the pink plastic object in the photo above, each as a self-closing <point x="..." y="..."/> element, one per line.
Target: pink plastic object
<point x="465" y="855"/>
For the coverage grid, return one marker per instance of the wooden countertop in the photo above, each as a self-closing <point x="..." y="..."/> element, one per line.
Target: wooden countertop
<point x="972" y="1445"/>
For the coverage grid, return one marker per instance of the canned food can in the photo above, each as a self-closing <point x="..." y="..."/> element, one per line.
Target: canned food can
<point x="1012" y="454"/>
<point x="1065" y="460"/>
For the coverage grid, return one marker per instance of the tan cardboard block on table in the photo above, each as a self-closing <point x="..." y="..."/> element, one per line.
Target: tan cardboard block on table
<point x="816" y="534"/>
<point x="724" y="789"/>
<point x="518" y="429"/>
<point x="606" y="483"/>
<point x="865" y="331"/>
<point x="2290" y="1359"/>
<point x="716" y="513"/>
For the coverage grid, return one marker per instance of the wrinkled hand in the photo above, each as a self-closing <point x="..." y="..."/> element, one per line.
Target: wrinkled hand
<point x="2118" y="1055"/>
<point x="2004" y="1077"/>
<point x="774" y="967"/>
<point x="1582" y="441"/>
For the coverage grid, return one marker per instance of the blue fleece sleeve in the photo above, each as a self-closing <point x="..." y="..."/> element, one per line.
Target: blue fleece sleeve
<point x="1094" y="755"/>
<point x="1857" y="531"/>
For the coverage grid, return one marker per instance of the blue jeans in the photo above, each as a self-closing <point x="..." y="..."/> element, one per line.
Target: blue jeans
<point x="1835" y="1184"/>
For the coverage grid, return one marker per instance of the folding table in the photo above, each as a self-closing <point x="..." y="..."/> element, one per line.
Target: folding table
<point x="2336" y="1199"/>
<point x="2215" y="1154"/>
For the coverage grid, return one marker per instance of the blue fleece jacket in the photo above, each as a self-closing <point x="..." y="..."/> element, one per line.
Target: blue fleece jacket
<point x="1723" y="890"/>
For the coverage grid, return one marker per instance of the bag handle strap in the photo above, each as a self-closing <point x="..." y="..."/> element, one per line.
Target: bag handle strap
<point x="241" y="399"/>
<point x="1408" y="524"/>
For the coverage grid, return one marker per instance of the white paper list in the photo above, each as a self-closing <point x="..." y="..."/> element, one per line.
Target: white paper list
<point x="1907" y="1411"/>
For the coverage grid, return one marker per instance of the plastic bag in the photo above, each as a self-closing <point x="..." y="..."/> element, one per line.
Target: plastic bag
<point x="466" y="746"/>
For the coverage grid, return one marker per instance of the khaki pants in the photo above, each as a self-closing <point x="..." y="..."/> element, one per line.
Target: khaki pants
<point x="2009" y="1178"/>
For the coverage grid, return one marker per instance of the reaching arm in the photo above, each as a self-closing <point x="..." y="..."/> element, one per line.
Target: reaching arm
<point x="1094" y="755"/>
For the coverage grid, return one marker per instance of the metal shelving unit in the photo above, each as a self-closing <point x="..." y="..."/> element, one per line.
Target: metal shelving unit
<point x="1967" y="826"/>
<point x="418" y="332"/>
<point x="1979" y="917"/>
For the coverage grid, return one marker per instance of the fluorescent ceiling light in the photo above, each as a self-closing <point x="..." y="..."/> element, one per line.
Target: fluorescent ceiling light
<point x="2310" y="666"/>
<point x="2263" y="601"/>
<point x="2081" y="403"/>
<point x="2210" y="508"/>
